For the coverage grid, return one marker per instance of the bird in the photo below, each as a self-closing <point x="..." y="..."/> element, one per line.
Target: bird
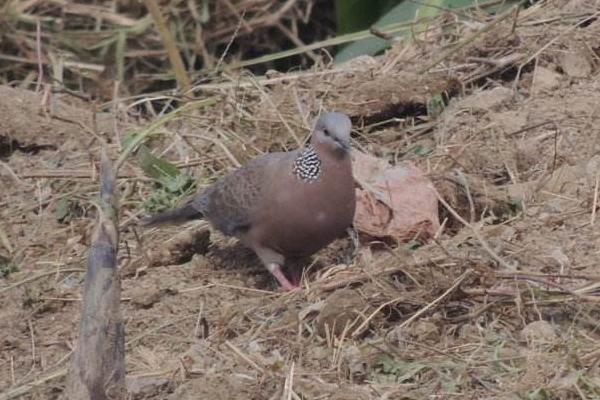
<point x="282" y="205"/>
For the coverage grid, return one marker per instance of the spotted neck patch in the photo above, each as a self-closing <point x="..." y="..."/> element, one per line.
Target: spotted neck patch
<point x="307" y="166"/>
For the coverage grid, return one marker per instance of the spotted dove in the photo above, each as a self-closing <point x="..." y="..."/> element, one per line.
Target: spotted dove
<point x="282" y="205"/>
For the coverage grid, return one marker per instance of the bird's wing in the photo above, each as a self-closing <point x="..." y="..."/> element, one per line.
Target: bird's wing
<point x="230" y="203"/>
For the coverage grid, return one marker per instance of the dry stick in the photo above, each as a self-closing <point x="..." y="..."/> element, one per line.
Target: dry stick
<point x="235" y="33"/>
<point x="338" y="282"/>
<point x="244" y="357"/>
<point x="499" y="65"/>
<point x="158" y="328"/>
<point x="5" y="242"/>
<point x="289" y="384"/>
<point x="97" y="368"/>
<point x="457" y="282"/>
<point x="530" y="127"/>
<point x="296" y="40"/>
<point x="167" y="39"/>
<point x="452" y="288"/>
<point x="476" y="232"/>
<point x="11" y="173"/>
<point x="595" y="202"/>
<point x="21" y="390"/>
<point x="42" y="275"/>
<point x="38" y="48"/>
<point x="239" y="16"/>
<point x="361" y="327"/>
<point x="544" y="47"/>
<point x="264" y="81"/>
<point x="468" y="40"/>
<point x="266" y="96"/>
<point x="465" y="184"/>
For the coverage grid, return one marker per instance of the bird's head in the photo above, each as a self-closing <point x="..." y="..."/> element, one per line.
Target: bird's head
<point x="332" y="133"/>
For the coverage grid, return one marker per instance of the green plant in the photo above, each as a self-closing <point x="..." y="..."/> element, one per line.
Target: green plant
<point x="405" y="11"/>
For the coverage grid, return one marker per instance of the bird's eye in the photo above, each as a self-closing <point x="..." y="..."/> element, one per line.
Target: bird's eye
<point x="326" y="132"/>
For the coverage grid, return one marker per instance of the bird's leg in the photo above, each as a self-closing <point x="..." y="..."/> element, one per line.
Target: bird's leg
<point x="277" y="272"/>
<point x="273" y="261"/>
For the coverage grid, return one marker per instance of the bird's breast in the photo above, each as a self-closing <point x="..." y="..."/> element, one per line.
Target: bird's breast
<point x="303" y="217"/>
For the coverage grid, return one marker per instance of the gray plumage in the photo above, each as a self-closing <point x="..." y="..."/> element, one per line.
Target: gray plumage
<point x="285" y="204"/>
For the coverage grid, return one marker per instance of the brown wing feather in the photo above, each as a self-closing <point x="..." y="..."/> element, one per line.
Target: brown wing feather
<point x="229" y="203"/>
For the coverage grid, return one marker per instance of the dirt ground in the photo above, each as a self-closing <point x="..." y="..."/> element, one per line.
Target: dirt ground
<point x="503" y="304"/>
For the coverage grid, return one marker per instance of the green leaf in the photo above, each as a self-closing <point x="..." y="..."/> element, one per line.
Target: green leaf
<point x="157" y="168"/>
<point x="403" y="12"/>
<point x="63" y="209"/>
<point x="127" y="140"/>
<point x="435" y="105"/>
<point x="356" y="15"/>
<point x="538" y="394"/>
<point x="174" y="184"/>
<point x="403" y="371"/>
<point x="7" y="267"/>
<point x="67" y="209"/>
<point x="177" y="184"/>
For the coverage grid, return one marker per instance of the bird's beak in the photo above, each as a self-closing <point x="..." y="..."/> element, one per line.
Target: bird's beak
<point x="342" y="145"/>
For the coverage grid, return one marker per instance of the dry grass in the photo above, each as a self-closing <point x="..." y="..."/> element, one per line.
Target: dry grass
<point x="121" y="45"/>
<point x="514" y="154"/>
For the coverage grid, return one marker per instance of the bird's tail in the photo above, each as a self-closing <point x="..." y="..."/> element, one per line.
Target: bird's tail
<point x="183" y="213"/>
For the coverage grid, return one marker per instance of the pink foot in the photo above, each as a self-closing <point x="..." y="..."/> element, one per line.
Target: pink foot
<point x="276" y="271"/>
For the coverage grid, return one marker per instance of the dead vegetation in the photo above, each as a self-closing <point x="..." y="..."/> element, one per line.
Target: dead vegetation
<point x="120" y="46"/>
<point x="503" y="304"/>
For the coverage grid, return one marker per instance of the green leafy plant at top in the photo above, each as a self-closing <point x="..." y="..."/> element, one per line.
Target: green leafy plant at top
<point x="359" y="14"/>
<point x="356" y="15"/>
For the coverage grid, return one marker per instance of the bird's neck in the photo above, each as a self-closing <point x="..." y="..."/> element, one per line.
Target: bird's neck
<point x="313" y="158"/>
<point x="307" y="164"/>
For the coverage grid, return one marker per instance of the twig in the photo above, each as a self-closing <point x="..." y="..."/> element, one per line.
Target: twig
<point x="268" y="99"/>
<point x="465" y="184"/>
<point x="456" y="283"/>
<point x="235" y="33"/>
<point x="294" y="39"/>
<point x="544" y="47"/>
<point x="244" y="357"/>
<point x="11" y="173"/>
<point x="337" y="281"/>
<point x="530" y="127"/>
<point x="289" y="384"/>
<point x="167" y="39"/>
<point x="42" y="275"/>
<point x="595" y="202"/>
<point x="24" y="389"/>
<point x="97" y="369"/>
<point x="451" y="51"/>
<point x="38" y="48"/>
<point x="156" y="329"/>
<point x="476" y="232"/>
<point x="224" y="285"/>
<point x="359" y="329"/>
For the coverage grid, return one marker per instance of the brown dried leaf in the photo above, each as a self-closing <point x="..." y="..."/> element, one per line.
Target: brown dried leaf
<point x="393" y="202"/>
